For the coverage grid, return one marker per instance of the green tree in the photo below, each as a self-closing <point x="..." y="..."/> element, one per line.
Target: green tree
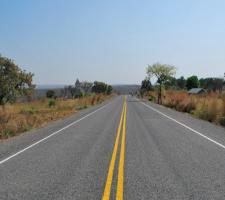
<point x="14" y="81"/>
<point x="71" y="90"/>
<point x="192" y="82"/>
<point x="181" y="82"/>
<point x="163" y="73"/>
<point x="77" y="93"/>
<point x="109" y="89"/>
<point x="50" y="94"/>
<point x="146" y="86"/>
<point x="77" y="83"/>
<point x="171" y="83"/>
<point x="211" y="84"/>
<point x="202" y="83"/>
<point x="86" y="86"/>
<point x="99" y="87"/>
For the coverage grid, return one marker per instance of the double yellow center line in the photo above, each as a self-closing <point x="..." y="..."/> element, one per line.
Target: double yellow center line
<point x="120" y="178"/>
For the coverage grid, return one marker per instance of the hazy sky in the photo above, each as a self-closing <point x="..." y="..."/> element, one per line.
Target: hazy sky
<point x="112" y="41"/>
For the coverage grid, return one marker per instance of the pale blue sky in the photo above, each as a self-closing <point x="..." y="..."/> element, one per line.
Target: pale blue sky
<point x="112" y="41"/>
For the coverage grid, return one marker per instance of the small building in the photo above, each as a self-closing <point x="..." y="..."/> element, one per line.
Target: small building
<point x="197" y="91"/>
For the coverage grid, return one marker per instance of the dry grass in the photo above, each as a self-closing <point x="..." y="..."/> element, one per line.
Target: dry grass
<point x="210" y="107"/>
<point x="20" y="117"/>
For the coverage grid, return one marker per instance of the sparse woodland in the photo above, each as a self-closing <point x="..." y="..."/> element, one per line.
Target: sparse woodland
<point x="173" y="92"/>
<point x="18" y="116"/>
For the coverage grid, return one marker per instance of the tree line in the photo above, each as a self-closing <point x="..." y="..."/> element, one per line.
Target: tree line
<point x="165" y="78"/>
<point x="80" y="89"/>
<point x="210" y="84"/>
<point x="15" y="83"/>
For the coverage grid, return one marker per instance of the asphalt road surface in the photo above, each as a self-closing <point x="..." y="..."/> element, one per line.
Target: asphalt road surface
<point x="122" y="149"/>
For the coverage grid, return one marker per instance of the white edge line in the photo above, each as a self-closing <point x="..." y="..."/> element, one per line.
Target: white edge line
<point x="54" y="133"/>
<point x="184" y="125"/>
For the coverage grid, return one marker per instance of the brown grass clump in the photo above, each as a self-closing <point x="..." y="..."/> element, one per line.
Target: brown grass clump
<point x="20" y="117"/>
<point x="210" y="107"/>
<point x="180" y="101"/>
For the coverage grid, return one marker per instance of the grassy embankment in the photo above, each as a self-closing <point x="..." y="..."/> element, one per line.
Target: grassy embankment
<point x="21" y="117"/>
<point x="210" y="107"/>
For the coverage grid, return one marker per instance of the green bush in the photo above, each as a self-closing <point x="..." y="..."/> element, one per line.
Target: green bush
<point x="6" y="133"/>
<point x="152" y="98"/>
<point x="51" y="103"/>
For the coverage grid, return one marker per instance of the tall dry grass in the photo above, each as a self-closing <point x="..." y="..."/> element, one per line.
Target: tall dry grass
<point x="210" y="107"/>
<point x="20" y="117"/>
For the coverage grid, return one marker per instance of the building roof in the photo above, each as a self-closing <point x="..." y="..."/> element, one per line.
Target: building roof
<point x="196" y="90"/>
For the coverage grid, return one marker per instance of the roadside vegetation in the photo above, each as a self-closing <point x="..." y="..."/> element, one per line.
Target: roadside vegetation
<point x="20" y="111"/>
<point x="20" y="117"/>
<point x="208" y="105"/>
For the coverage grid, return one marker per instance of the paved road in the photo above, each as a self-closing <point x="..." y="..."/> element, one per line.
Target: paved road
<point x="118" y="150"/>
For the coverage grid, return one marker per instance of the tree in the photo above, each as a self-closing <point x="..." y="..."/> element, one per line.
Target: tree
<point x="77" y="83"/>
<point x="145" y="86"/>
<point x="86" y="86"/>
<point x="77" y="93"/>
<point x="192" y="82"/>
<point x="99" y="87"/>
<point x="65" y="92"/>
<point x="211" y="84"/>
<point x="202" y="82"/>
<point x="181" y="82"/>
<point x="109" y="89"/>
<point x="50" y="94"/>
<point x="162" y="72"/>
<point x="171" y="83"/>
<point x="71" y="90"/>
<point x="14" y="81"/>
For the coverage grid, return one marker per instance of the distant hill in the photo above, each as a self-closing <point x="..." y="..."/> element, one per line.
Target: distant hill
<point x="126" y="89"/>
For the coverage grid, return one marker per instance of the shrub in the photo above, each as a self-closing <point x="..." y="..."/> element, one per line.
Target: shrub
<point x="152" y="98"/>
<point x="51" y="103"/>
<point x="201" y="111"/>
<point x="210" y="107"/>
<point x="5" y="133"/>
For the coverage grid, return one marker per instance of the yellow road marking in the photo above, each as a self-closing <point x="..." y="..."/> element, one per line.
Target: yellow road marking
<point x="107" y="191"/>
<point x="120" y="181"/>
